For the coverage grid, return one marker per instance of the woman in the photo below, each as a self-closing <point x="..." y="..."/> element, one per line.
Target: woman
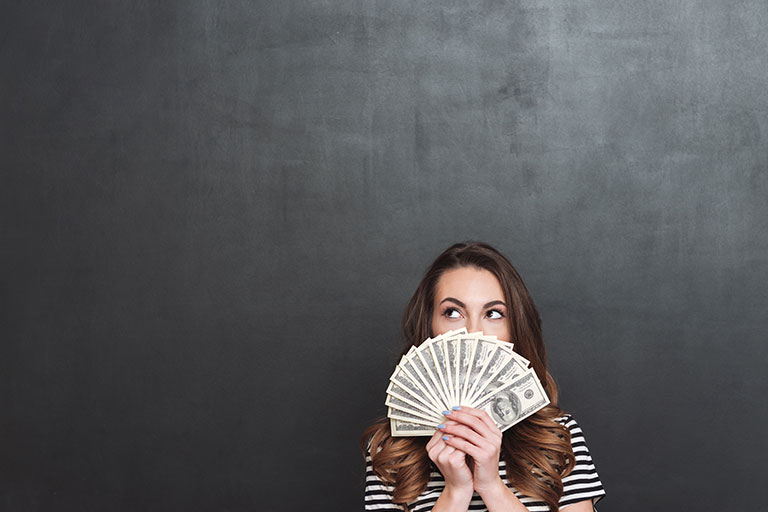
<point x="540" y="464"/>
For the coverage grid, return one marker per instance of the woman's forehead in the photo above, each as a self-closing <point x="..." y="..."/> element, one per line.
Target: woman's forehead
<point x="469" y="282"/>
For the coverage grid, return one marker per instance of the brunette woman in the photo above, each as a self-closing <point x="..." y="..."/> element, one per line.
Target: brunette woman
<point x="540" y="464"/>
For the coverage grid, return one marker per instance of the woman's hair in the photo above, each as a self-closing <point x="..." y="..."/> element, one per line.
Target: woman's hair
<point x="537" y="451"/>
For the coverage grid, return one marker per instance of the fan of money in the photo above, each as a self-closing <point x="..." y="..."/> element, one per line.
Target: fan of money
<point x="460" y="368"/>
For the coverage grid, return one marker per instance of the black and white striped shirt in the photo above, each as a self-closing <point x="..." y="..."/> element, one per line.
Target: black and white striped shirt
<point x="583" y="483"/>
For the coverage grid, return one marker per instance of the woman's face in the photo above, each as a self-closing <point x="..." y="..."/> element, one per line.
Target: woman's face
<point x="470" y="297"/>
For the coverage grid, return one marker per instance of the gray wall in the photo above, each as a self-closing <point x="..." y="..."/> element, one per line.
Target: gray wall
<point x="213" y="214"/>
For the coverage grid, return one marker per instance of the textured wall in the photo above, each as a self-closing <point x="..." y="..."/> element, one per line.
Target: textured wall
<point x="213" y="214"/>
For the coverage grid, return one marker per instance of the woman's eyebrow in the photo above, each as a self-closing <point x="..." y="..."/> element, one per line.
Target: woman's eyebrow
<point x="457" y="301"/>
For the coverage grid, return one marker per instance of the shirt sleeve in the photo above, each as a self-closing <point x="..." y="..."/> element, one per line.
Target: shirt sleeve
<point x="583" y="483"/>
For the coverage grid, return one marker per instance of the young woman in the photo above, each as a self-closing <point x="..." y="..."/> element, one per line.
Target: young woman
<point x="539" y="464"/>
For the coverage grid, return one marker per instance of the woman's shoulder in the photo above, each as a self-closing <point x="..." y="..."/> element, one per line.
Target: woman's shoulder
<point x="583" y="481"/>
<point x="568" y="421"/>
<point x="577" y="434"/>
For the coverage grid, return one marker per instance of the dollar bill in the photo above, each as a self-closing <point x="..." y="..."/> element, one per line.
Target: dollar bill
<point x="437" y="351"/>
<point x="429" y="364"/>
<point x="508" y="372"/>
<point x="402" y="428"/>
<point x="509" y="348"/>
<point x="515" y="401"/>
<point x="451" y="345"/>
<point x="484" y="351"/>
<point x="466" y="347"/>
<point x="415" y="369"/>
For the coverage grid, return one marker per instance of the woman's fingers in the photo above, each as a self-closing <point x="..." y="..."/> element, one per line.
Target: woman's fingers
<point x="468" y="434"/>
<point x="451" y="457"/>
<point x="461" y="444"/>
<point x="436" y="438"/>
<point x="485" y="419"/>
<point x="445" y="455"/>
<point x="465" y="431"/>
<point x="467" y="440"/>
<point x="437" y="446"/>
<point x="476" y="419"/>
<point x="474" y="433"/>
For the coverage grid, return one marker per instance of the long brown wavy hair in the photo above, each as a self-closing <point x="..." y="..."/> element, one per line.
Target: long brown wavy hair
<point x="537" y="451"/>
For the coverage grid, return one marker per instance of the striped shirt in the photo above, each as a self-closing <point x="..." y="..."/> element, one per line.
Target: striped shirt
<point x="582" y="483"/>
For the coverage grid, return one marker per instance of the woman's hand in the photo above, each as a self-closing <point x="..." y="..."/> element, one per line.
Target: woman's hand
<point x="472" y="432"/>
<point x="452" y="463"/>
<point x="469" y="434"/>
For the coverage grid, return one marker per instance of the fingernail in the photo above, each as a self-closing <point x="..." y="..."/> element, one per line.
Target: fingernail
<point x="441" y="426"/>
<point x="456" y="407"/>
<point x="445" y="438"/>
<point x="446" y="413"/>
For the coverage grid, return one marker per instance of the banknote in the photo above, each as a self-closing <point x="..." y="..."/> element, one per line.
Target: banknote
<point x="511" y="370"/>
<point x="484" y="350"/>
<point x="402" y="428"/>
<point x="515" y="401"/>
<point x="426" y="377"/>
<point x="439" y="366"/>
<point x="451" y="348"/>
<point x="466" y="346"/>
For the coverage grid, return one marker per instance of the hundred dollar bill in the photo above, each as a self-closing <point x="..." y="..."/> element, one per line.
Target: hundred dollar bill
<point x="455" y="332"/>
<point x="401" y="428"/>
<point x="466" y="347"/>
<point x="415" y="368"/>
<point x="448" y="369"/>
<point x="451" y="346"/>
<point x="508" y="347"/>
<point x="484" y="350"/>
<point x="508" y="372"/>
<point x="437" y="350"/>
<point x="423" y="355"/>
<point x="515" y="401"/>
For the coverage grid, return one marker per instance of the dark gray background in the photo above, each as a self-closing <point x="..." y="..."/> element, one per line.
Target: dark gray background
<point x="213" y="214"/>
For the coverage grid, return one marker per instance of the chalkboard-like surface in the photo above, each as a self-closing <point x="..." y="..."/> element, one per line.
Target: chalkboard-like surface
<point x="213" y="214"/>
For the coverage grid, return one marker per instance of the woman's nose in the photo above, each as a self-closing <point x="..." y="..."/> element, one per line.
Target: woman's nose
<point x="471" y="325"/>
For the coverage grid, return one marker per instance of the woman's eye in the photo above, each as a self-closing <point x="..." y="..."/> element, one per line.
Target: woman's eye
<point x="451" y="313"/>
<point x="495" y="314"/>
